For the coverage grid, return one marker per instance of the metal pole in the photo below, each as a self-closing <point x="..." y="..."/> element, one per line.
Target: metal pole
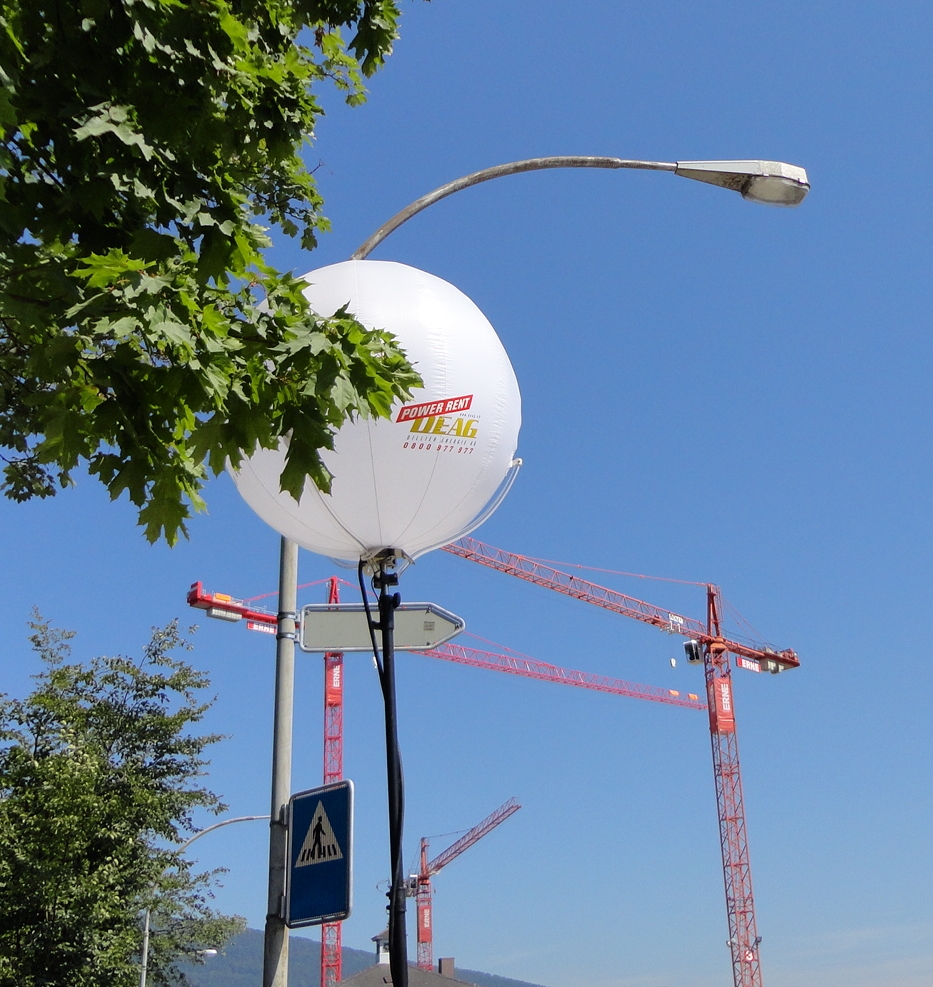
<point x="144" y="956"/>
<point x="275" y="952"/>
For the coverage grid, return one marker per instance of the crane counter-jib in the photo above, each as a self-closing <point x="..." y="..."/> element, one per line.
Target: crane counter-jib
<point x="225" y="607"/>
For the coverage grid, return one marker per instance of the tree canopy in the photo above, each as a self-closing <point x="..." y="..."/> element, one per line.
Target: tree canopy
<point x="147" y="149"/>
<point x="99" y="778"/>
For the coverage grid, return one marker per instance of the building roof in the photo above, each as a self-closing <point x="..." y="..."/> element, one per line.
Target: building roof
<point x="379" y="976"/>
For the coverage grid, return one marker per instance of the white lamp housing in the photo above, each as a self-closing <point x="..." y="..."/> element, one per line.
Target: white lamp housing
<point x="773" y="183"/>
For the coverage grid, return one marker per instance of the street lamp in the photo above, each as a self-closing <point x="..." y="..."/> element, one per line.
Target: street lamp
<point x="769" y="182"/>
<point x="144" y="951"/>
<point x="773" y="183"/>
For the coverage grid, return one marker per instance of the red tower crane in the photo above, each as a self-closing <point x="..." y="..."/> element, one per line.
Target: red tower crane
<point x="420" y="885"/>
<point x="706" y="643"/>
<point x="225" y="607"/>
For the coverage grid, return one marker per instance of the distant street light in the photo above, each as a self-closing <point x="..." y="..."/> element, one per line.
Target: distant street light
<point x="144" y="952"/>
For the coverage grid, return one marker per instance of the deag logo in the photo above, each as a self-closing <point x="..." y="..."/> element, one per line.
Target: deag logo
<point x="441" y="425"/>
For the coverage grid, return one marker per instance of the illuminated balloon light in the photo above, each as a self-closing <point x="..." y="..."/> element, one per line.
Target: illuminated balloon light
<point x="443" y="462"/>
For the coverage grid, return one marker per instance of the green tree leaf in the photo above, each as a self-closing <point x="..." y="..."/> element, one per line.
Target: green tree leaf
<point x="140" y="180"/>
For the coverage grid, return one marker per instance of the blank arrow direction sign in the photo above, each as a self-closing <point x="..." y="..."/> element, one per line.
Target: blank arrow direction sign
<point x="343" y="627"/>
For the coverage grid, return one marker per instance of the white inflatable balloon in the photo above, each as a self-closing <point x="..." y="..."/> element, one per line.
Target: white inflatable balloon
<point x="422" y="479"/>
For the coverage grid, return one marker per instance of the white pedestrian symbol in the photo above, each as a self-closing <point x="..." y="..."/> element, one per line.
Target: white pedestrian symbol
<point x="320" y="844"/>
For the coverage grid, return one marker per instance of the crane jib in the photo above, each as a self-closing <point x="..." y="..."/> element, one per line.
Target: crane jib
<point x="609" y="599"/>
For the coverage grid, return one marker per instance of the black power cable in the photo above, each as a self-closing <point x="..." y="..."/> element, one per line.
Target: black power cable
<point x="388" y="603"/>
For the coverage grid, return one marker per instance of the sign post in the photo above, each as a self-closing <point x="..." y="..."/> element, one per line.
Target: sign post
<point x="320" y="862"/>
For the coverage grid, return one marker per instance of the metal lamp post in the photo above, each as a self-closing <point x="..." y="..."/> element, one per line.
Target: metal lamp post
<point x="275" y="942"/>
<point x="768" y="182"/>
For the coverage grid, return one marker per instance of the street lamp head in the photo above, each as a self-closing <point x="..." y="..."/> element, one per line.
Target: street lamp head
<point x="773" y="183"/>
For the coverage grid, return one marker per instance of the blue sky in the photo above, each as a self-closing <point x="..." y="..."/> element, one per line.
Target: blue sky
<point x="711" y="391"/>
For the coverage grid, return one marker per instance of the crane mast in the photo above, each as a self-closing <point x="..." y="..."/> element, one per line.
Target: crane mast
<point x="331" y="957"/>
<point x="733" y="840"/>
<point x="427" y="870"/>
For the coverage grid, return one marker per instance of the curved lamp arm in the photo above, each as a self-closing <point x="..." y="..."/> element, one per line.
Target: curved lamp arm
<point x="217" y="825"/>
<point x="771" y="182"/>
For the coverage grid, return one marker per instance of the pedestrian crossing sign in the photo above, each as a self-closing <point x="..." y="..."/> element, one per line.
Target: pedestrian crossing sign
<point x="320" y="843"/>
<point x="320" y="825"/>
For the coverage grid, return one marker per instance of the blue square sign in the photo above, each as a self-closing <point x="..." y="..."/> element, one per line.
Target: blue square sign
<point x="320" y="833"/>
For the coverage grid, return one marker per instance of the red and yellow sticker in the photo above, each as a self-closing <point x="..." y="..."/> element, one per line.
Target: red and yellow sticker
<point x="441" y="426"/>
<point x="431" y="409"/>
